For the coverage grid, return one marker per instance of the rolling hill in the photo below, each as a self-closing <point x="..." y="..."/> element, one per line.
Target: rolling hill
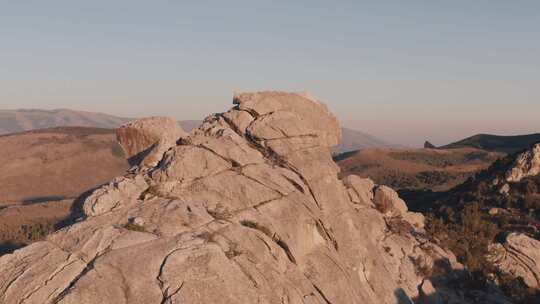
<point x="416" y="168"/>
<point x="188" y="125"/>
<point x="12" y="121"/>
<point x="355" y="140"/>
<point x="44" y="171"/>
<point x="505" y="144"/>
<point x="50" y="162"/>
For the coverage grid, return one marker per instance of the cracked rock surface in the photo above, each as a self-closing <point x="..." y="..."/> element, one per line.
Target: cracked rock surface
<point x="248" y="208"/>
<point x="145" y="140"/>
<point x="526" y="164"/>
<point x="519" y="257"/>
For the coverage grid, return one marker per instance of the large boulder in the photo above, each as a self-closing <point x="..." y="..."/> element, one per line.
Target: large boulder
<point x="388" y="202"/>
<point x="145" y="140"/>
<point x="526" y="164"/>
<point x="290" y="118"/>
<point x="518" y="257"/>
<point x="118" y="192"/>
<point x="246" y="209"/>
<point x="360" y="190"/>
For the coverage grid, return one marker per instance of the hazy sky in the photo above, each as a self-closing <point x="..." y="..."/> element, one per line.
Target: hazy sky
<point x="405" y="71"/>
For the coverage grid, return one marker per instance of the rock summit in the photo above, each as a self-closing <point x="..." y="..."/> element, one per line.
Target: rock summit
<point x="247" y="208"/>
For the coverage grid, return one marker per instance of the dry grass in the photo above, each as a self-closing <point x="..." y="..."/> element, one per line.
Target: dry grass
<point x="44" y="171"/>
<point x="417" y="168"/>
<point x="59" y="162"/>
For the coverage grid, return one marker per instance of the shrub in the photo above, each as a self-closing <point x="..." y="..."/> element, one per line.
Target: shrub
<point x="117" y="151"/>
<point x="467" y="235"/>
<point x="134" y="227"/>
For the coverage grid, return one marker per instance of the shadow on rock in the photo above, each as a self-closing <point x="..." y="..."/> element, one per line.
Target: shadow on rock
<point x="402" y="297"/>
<point x="76" y="211"/>
<point x="9" y="246"/>
<point x="42" y="199"/>
<point x="447" y="285"/>
<point x="139" y="157"/>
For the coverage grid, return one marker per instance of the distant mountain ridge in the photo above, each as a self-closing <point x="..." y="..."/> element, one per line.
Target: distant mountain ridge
<point x="354" y="140"/>
<point x="498" y="143"/>
<point x="13" y="121"/>
<point x="188" y="125"/>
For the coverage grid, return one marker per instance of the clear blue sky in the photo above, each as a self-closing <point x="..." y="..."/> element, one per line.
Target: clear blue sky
<point x="401" y="70"/>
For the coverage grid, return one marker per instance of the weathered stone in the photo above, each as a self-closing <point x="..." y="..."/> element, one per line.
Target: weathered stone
<point x="416" y="219"/>
<point x="519" y="257"/>
<point x="388" y="202"/>
<point x="289" y="115"/>
<point x="116" y="194"/>
<point x="360" y="189"/>
<point x="187" y="163"/>
<point x="246" y="209"/>
<point x="240" y="120"/>
<point x="526" y="164"/>
<point x="145" y="140"/>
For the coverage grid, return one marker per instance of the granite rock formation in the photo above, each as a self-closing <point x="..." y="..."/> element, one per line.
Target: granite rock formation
<point x="518" y="257"/>
<point x="145" y="140"/>
<point x="248" y="208"/>
<point x="526" y="164"/>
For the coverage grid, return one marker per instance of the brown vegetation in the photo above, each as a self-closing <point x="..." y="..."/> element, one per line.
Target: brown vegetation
<point x="43" y="171"/>
<point x="416" y="168"/>
<point x="470" y="217"/>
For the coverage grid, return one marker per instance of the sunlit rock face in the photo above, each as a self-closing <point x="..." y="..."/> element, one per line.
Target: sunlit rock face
<point x="145" y="140"/>
<point x="519" y="257"/>
<point x="526" y="164"/>
<point x="248" y="208"/>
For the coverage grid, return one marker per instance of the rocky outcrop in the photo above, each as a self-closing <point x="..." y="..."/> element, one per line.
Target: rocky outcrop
<point x="246" y="209"/>
<point x="526" y="164"/>
<point x="518" y="257"/>
<point x="360" y="190"/>
<point x="145" y="140"/>
<point x="388" y="202"/>
<point x="429" y="145"/>
<point x="120" y="191"/>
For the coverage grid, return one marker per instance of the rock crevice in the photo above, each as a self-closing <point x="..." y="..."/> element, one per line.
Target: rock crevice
<point x="247" y="208"/>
